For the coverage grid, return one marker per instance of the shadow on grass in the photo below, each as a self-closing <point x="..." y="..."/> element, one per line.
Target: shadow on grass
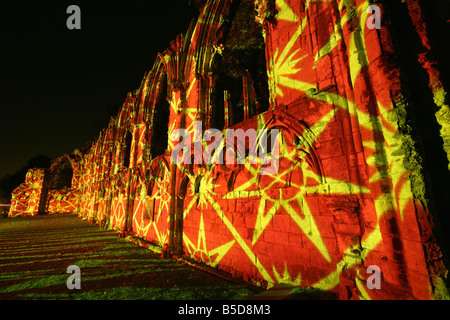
<point x="37" y="252"/>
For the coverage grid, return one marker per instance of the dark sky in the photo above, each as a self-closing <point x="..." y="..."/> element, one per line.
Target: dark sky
<point x="59" y="87"/>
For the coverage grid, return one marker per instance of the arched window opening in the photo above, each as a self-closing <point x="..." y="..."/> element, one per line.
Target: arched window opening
<point x="159" y="141"/>
<point x="241" y="85"/>
<point x="62" y="176"/>
<point x="127" y="154"/>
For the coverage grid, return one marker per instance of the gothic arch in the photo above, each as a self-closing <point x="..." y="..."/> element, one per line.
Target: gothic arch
<point x="157" y="107"/>
<point x="298" y="135"/>
<point x="154" y="175"/>
<point x="207" y="36"/>
<point x="153" y="83"/>
<point x="62" y="172"/>
<point x="62" y="175"/>
<point x="229" y="51"/>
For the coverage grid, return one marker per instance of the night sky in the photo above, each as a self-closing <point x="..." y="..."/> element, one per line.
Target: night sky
<point x="59" y="87"/>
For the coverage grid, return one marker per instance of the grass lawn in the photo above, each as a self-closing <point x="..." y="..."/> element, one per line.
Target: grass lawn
<point x="35" y="253"/>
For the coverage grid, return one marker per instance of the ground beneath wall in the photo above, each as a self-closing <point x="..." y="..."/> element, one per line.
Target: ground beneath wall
<point x="37" y="251"/>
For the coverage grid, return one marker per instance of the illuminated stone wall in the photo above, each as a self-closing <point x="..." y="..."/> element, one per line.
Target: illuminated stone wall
<point x="349" y="191"/>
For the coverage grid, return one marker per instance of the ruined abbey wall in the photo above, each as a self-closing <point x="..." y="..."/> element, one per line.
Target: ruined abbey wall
<point x="349" y="191"/>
